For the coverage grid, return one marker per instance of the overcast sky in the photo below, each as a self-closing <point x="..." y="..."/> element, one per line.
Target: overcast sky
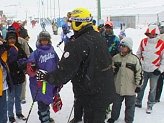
<point x="26" y="8"/>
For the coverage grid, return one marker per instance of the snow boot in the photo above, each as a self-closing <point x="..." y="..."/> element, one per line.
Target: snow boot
<point x="149" y="110"/>
<point x="12" y="120"/>
<point x="51" y="120"/>
<point x="138" y="104"/>
<point x="21" y="116"/>
<point x="23" y="101"/>
<point x="44" y="117"/>
<point x="110" y="120"/>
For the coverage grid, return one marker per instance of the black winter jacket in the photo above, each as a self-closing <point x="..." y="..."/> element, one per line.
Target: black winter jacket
<point x="87" y="63"/>
<point x="17" y="68"/>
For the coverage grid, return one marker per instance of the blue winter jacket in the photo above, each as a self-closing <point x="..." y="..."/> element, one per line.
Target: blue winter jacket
<point x="45" y="58"/>
<point x="113" y="43"/>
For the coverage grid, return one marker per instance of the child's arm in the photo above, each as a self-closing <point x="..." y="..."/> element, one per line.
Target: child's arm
<point x="138" y="74"/>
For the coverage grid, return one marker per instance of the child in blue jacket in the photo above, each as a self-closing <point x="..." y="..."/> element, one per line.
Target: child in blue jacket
<point x="45" y="58"/>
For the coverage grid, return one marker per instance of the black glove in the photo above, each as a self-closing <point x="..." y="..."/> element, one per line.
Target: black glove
<point x="41" y="75"/>
<point x="137" y="90"/>
<point x="115" y="70"/>
<point x="157" y="72"/>
<point x="162" y="75"/>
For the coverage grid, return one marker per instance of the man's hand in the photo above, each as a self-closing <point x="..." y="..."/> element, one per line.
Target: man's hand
<point x="137" y="90"/>
<point x="41" y="75"/>
<point x="157" y="72"/>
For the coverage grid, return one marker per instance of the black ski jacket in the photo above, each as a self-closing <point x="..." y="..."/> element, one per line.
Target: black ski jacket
<point x="87" y="63"/>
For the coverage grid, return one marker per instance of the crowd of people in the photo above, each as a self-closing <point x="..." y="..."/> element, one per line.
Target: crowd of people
<point x="100" y="82"/>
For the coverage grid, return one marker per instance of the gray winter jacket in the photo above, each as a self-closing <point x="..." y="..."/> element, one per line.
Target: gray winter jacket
<point x="24" y="45"/>
<point x="128" y="74"/>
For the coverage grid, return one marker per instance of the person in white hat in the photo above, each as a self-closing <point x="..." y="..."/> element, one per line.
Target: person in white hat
<point x="128" y="79"/>
<point x="151" y="54"/>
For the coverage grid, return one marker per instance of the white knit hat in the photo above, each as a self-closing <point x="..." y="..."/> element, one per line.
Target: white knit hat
<point x="127" y="41"/>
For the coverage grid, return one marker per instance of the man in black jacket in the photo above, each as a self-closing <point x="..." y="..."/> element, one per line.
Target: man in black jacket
<point x="87" y="63"/>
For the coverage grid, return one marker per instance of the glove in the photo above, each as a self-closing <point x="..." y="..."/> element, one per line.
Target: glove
<point x="41" y="75"/>
<point x="115" y="70"/>
<point x="57" y="103"/>
<point x="162" y="74"/>
<point x="137" y="90"/>
<point x="157" y="72"/>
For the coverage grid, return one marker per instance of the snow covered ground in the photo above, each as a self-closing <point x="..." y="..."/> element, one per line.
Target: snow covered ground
<point x="157" y="115"/>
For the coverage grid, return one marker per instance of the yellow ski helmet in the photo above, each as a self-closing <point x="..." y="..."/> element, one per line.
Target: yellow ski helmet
<point x="80" y="17"/>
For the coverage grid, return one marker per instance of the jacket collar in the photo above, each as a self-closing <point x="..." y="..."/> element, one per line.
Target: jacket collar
<point x="83" y="30"/>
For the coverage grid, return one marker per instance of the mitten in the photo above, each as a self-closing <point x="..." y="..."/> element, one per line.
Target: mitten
<point x="137" y="90"/>
<point x="57" y="103"/>
<point x="157" y="72"/>
<point x="41" y="75"/>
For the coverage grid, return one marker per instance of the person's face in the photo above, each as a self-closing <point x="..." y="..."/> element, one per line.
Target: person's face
<point x="44" y="42"/>
<point x="124" y="49"/>
<point x="11" y="40"/>
<point x="151" y="35"/>
<point x="108" y="29"/>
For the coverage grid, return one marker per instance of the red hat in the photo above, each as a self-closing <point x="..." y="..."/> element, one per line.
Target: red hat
<point x="16" y="26"/>
<point x="109" y="23"/>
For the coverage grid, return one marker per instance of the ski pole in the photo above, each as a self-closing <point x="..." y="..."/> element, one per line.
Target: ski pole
<point x="60" y="49"/>
<point x="70" y="114"/>
<point x="32" y="105"/>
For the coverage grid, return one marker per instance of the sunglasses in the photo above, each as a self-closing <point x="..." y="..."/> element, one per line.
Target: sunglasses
<point x="123" y="45"/>
<point x="13" y="38"/>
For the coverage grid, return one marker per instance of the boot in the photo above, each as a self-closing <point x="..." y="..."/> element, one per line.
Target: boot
<point x="51" y="120"/>
<point x="12" y="120"/>
<point x="21" y="116"/>
<point x="110" y="120"/>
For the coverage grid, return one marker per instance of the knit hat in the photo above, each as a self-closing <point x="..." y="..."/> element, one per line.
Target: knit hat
<point x="23" y="33"/>
<point x="127" y="41"/>
<point x="11" y="34"/>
